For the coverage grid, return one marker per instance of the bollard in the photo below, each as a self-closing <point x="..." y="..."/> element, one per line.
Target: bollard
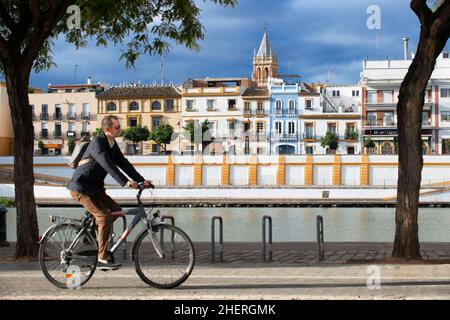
<point x="320" y="242"/>
<point x="3" y="242"/>
<point x="172" y="240"/>
<point x="264" y="219"/>
<point x="213" y="238"/>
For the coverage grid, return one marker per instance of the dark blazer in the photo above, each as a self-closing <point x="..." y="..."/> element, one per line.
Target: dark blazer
<point x="89" y="178"/>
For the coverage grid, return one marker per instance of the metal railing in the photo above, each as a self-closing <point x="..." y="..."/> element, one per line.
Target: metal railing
<point x="267" y="248"/>
<point x="213" y="238"/>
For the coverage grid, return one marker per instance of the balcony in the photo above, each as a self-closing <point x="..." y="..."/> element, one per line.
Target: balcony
<point x="85" y="116"/>
<point x="57" y="116"/>
<point x="43" y="134"/>
<point x="86" y="134"/>
<point x="278" y="112"/>
<point x="71" y="134"/>
<point x="292" y="111"/>
<point x="260" y="112"/>
<point x="211" y="109"/>
<point x="33" y="116"/>
<point x="380" y="123"/>
<point x="309" y="136"/>
<point x="71" y="115"/>
<point x="247" y="112"/>
<point x="57" y="135"/>
<point x="45" y="116"/>
<point x="351" y="135"/>
<point x="285" y="136"/>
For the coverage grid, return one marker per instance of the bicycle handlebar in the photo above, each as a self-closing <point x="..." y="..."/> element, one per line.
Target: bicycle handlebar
<point x="142" y="187"/>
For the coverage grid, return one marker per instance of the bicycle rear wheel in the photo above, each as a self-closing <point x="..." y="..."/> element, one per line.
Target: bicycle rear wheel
<point x="177" y="262"/>
<point x="58" y="264"/>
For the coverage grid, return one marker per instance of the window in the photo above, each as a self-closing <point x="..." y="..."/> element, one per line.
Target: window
<point x="371" y="97"/>
<point x="58" y="113"/>
<point x="72" y="109"/>
<point x="72" y="126"/>
<point x="44" y="125"/>
<point x="133" y="106"/>
<point x="291" y="128"/>
<point x="278" y="127"/>
<point x="332" y="127"/>
<point x="246" y="126"/>
<point x="336" y="93"/>
<point x="155" y="148"/>
<point x="189" y="104"/>
<point x="278" y="106"/>
<point x="309" y="150"/>
<point x="44" y="109"/>
<point x="231" y="125"/>
<point x="388" y="119"/>
<point x="291" y="105"/>
<point x="210" y="104"/>
<point x="231" y="104"/>
<point x="445" y="93"/>
<point x="372" y="118"/>
<point x="84" y="126"/>
<point x="388" y="96"/>
<point x="425" y="118"/>
<point x="247" y="106"/>
<point x="260" y="106"/>
<point x="445" y="116"/>
<point x="57" y="132"/>
<point x="446" y="55"/>
<point x="132" y="121"/>
<point x="85" y="109"/>
<point x="355" y="93"/>
<point x="169" y="105"/>
<point x="350" y="150"/>
<point x="308" y="104"/>
<point x="259" y="127"/>
<point x="156" y="121"/>
<point x="156" y="106"/>
<point x="111" y="106"/>
<point x="309" y="131"/>
<point x="446" y="146"/>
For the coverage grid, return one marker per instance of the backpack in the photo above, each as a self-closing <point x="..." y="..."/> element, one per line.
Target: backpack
<point x="78" y="152"/>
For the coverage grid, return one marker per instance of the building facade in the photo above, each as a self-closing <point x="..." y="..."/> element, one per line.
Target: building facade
<point x="64" y="113"/>
<point x="265" y="63"/>
<point x="381" y="82"/>
<point x="147" y="106"/>
<point x="219" y="101"/>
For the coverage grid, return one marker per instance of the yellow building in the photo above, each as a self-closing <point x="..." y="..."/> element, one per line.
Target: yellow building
<point x="147" y="106"/>
<point x="6" y="127"/>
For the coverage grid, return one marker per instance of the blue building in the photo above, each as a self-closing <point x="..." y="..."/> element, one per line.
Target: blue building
<point x="284" y="122"/>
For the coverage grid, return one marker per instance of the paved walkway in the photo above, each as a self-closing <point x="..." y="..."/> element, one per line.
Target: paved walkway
<point x="295" y="273"/>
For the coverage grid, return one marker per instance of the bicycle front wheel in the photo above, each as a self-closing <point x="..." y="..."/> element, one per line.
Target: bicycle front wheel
<point x="165" y="258"/>
<point x="62" y="266"/>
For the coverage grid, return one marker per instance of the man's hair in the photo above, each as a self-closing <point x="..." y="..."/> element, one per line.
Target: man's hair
<point x="107" y="121"/>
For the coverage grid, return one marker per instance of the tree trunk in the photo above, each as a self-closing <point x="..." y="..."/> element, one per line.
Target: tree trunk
<point x="409" y="112"/>
<point x="17" y="80"/>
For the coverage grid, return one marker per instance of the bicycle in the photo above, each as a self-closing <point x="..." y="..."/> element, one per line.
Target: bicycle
<point x="163" y="262"/>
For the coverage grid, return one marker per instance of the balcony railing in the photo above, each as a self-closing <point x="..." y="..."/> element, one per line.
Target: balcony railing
<point x="309" y="136"/>
<point x="43" y="134"/>
<point x="278" y="111"/>
<point x="380" y="123"/>
<point x="260" y="112"/>
<point x="57" y="116"/>
<point x="292" y="111"/>
<point x="247" y="112"/>
<point x="45" y="116"/>
<point x="86" y="134"/>
<point x="85" y="115"/>
<point x="71" y="115"/>
<point x="57" y="135"/>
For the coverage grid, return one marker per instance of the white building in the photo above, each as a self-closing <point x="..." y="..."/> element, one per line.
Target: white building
<point x="331" y="108"/>
<point x="381" y="82"/>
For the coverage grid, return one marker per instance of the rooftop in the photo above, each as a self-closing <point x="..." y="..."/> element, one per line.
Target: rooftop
<point x="125" y="92"/>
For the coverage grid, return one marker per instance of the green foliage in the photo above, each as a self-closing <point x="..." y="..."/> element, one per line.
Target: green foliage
<point x="162" y="135"/>
<point x="329" y="140"/>
<point x="192" y="126"/>
<point x="41" y="144"/>
<point x="97" y="132"/>
<point x="368" y="143"/>
<point x="6" y="202"/>
<point x="351" y="134"/>
<point x="142" y="27"/>
<point x="136" y="134"/>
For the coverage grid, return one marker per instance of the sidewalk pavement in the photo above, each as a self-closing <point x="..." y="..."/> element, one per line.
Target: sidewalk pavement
<point x="295" y="273"/>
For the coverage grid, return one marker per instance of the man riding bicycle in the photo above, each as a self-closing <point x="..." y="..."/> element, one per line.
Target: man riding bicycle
<point x="102" y="157"/>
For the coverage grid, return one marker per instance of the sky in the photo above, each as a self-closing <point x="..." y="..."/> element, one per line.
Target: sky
<point x="318" y="40"/>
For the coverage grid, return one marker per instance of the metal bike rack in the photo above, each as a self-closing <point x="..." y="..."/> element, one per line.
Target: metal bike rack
<point x="320" y="242"/>
<point x="213" y="238"/>
<point x="264" y="247"/>
<point x="172" y="222"/>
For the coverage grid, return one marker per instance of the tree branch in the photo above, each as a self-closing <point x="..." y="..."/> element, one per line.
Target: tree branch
<point x="422" y="11"/>
<point x="6" y="18"/>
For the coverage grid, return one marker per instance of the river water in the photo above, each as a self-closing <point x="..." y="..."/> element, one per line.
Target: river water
<point x="289" y="224"/>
